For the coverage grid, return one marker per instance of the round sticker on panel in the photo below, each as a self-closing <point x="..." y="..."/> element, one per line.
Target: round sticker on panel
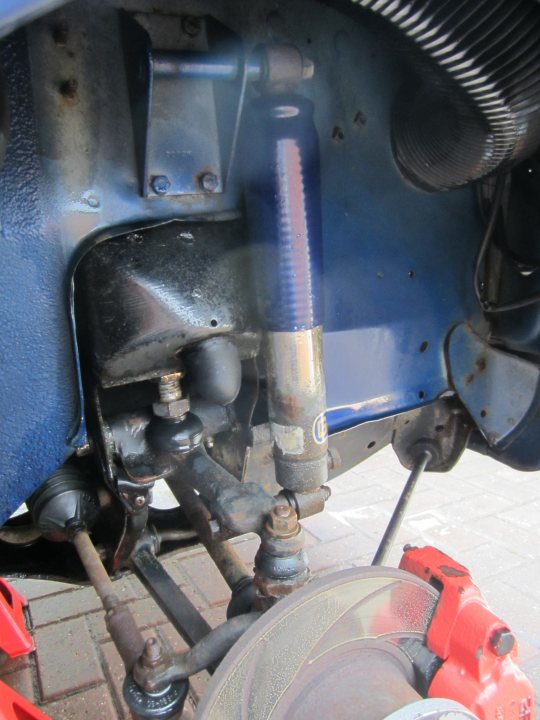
<point x="320" y="429"/>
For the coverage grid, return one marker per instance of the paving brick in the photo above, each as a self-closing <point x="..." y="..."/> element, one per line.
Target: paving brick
<point x="470" y="508"/>
<point x="524" y="579"/>
<point x="115" y="674"/>
<point x="247" y="549"/>
<point x="524" y="515"/>
<point x="496" y="530"/>
<point x="14" y="665"/>
<point x="55" y="608"/>
<point x="197" y="685"/>
<point x="489" y="560"/>
<point x="66" y="659"/>
<point x="22" y="681"/>
<point x="147" y="613"/>
<point x="172" y="639"/>
<point x="516" y="607"/>
<point x="337" y="555"/>
<point x="32" y="589"/>
<point x="96" y="704"/>
<point x="326" y="526"/>
<point x="362" y="495"/>
<point x="202" y="573"/>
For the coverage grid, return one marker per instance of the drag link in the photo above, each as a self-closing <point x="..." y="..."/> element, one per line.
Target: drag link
<point x="205" y="655"/>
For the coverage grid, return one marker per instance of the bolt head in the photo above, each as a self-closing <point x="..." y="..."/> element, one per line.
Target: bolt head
<point x="502" y="642"/>
<point x="160" y="184"/>
<point x="283" y="511"/>
<point x="191" y="26"/>
<point x="140" y="501"/>
<point x="209" y="182"/>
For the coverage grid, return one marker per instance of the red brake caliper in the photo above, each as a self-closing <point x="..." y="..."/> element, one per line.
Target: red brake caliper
<point x="478" y="650"/>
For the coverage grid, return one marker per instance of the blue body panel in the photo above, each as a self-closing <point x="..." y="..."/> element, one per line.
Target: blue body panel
<point x="398" y="262"/>
<point x="38" y="388"/>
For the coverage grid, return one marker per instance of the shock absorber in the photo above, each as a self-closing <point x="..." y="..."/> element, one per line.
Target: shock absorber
<point x="283" y="206"/>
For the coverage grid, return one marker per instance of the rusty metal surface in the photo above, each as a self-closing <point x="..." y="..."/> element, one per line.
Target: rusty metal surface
<point x="501" y="391"/>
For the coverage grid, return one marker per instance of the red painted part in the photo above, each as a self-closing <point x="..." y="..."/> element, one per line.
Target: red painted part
<point x="461" y="631"/>
<point x="15" y="707"/>
<point x="14" y="638"/>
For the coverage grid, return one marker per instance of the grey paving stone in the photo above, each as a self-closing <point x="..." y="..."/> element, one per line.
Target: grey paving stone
<point x="97" y="704"/>
<point x="67" y="661"/>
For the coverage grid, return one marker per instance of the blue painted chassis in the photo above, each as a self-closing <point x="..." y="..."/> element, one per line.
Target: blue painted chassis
<point x="398" y="266"/>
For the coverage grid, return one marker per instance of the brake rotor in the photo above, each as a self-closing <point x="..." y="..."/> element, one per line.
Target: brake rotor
<point x="331" y="649"/>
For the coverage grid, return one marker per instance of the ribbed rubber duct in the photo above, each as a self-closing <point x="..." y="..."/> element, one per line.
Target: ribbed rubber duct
<point x="477" y="109"/>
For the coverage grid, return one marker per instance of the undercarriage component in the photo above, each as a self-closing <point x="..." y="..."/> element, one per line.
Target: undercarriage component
<point x="185" y="618"/>
<point x="424" y="458"/>
<point x="438" y="709"/>
<point x="478" y="650"/>
<point x="483" y="115"/>
<point x="222" y="553"/>
<point x="281" y="564"/>
<point x="329" y="638"/>
<point x="476" y="368"/>
<point x="151" y="292"/>
<point x="283" y="203"/>
<point x="66" y="501"/>
<point x="204" y="655"/>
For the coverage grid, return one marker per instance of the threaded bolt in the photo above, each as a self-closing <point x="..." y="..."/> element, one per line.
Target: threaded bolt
<point x="169" y="387"/>
<point x="151" y="655"/>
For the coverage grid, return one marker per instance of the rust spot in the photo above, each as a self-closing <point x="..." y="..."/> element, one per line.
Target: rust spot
<point x="289" y="406"/>
<point x="68" y="90"/>
<point x="481" y="363"/>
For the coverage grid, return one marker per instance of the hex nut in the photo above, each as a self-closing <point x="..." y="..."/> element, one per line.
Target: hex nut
<point x="172" y="410"/>
<point x="282" y="522"/>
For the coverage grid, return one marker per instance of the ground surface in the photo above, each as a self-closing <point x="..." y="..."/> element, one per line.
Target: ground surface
<point x="483" y="514"/>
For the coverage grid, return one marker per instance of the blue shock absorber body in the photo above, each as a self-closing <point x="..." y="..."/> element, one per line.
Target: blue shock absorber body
<point x="284" y="211"/>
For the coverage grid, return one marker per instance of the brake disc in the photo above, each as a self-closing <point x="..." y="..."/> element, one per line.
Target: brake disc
<point x="331" y="649"/>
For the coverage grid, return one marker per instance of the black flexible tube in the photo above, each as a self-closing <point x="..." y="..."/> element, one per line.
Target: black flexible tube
<point x="477" y="110"/>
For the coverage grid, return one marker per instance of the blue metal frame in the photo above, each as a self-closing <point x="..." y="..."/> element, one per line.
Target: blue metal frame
<point x="398" y="262"/>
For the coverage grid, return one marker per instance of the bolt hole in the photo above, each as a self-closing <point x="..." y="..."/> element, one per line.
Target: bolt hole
<point x="308" y="41"/>
<point x="421" y="394"/>
<point x="213" y="323"/>
<point x="483" y="413"/>
<point x="360" y="120"/>
<point x="424" y="346"/>
<point x="411" y="273"/>
<point x="338" y="135"/>
<point x="371" y="444"/>
<point x="439" y="428"/>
